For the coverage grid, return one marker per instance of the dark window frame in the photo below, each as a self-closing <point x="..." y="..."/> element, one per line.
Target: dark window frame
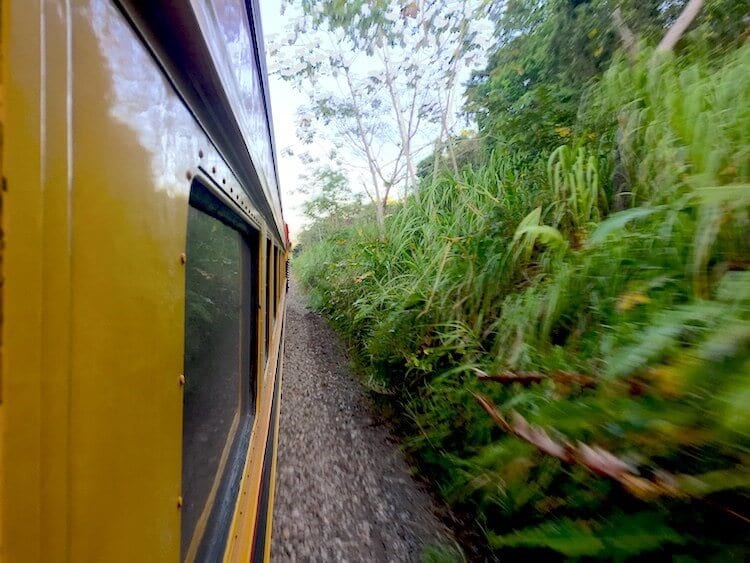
<point x="268" y="295"/>
<point x="276" y="282"/>
<point x="214" y="536"/>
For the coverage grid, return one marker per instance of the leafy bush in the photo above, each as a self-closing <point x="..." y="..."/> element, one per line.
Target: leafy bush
<point x="605" y="289"/>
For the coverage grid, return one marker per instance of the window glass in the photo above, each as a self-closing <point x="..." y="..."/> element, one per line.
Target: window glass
<point x="232" y="19"/>
<point x="269" y="319"/>
<point x="217" y="402"/>
<point x="271" y="283"/>
<point x="276" y="284"/>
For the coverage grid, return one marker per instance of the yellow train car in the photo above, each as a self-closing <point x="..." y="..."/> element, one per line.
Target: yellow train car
<point x="143" y="282"/>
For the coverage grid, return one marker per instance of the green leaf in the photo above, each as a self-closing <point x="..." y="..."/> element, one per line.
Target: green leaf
<point x="543" y="234"/>
<point x="733" y="287"/>
<point x="618" y="221"/>
<point x="733" y="194"/>
<point x="631" y="534"/>
<point x="569" y="537"/>
<point x="532" y="219"/>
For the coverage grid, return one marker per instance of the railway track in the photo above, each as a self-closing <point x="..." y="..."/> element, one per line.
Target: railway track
<point x="344" y="492"/>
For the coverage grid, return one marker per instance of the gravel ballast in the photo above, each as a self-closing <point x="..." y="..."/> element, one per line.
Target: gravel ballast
<point x="343" y="488"/>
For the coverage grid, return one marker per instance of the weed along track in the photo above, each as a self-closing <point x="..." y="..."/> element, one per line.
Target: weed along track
<point x="559" y="309"/>
<point x="343" y="491"/>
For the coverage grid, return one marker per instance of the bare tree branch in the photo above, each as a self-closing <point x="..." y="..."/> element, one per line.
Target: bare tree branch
<point x="601" y="462"/>
<point x="626" y="36"/>
<point x="680" y="25"/>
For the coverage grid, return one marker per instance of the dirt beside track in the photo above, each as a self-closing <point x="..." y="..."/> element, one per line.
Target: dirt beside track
<point x="343" y="489"/>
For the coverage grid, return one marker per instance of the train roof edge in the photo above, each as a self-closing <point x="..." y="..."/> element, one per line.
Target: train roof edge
<point x="190" y="41"/>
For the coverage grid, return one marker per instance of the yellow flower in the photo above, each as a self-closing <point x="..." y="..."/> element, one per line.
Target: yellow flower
<point x="666" y="379"/>
<point x="631" y="299"/>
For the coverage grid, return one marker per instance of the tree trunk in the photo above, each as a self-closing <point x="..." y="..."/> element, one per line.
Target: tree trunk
<point x="626" y="36"/>
<point x="448" y="139"/>
<point x="445" y="111"/>
<point x="436" y="160"/>
<point x="402" y="131"/>
<point x="379" y="201"/>
<point x="680" y="25"/>
<point x="380" y="216"/>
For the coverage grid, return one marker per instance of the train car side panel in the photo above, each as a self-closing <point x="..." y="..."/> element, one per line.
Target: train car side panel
<point x="21" y="408"/>
<point x="100" y="152"/>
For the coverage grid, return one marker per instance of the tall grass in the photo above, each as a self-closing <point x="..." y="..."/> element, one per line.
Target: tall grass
<point x="623" y="257"/>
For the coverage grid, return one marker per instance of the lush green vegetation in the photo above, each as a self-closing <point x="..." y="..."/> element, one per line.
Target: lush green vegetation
<point x="585" y="279"/>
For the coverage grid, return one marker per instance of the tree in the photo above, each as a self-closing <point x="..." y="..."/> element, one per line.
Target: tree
<point x="382" y="78"/>
<point x="529" y="95"/>
<point x="331" y="206"/>
<point x="332" y="195"/>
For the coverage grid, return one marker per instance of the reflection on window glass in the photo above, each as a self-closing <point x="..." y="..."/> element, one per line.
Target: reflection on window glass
<point x="268" y="296"/>
<point x="276" y="283"/>
<point x="272" y="286"/>
<point x="233" y="20"/>
<point x="217" y="391"/>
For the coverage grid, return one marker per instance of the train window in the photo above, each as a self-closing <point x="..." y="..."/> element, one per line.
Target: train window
<point x="218" y="402"/>
<point x="282" y="273"/>
<point x="276" y="285"/>
<point x="273" y="284"/>
<point x="269" y="277"/>
<point x="271" y="311"/>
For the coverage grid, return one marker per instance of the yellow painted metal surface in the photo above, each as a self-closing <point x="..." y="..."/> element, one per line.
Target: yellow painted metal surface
<point x="98" y="154"/>
<point x="22" y="291"/>
<point x="239" y="548"/>
<point x="275" y="422"/>
<point x="2" y="270"/>
<point x="262" y="307"/>
<point x="93" y="327"/>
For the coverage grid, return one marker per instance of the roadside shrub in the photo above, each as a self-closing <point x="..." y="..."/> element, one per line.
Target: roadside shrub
<point x="602" y="294"/>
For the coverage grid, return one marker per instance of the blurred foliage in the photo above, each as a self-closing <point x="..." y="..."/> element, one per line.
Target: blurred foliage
<point x="332" y="205"/>
<point x="467" y="150"/>
<point x="529" y="95"/>
<point x="212" y="293"/>
<point x="603" y="235"/>
<point x="439" y="553"/>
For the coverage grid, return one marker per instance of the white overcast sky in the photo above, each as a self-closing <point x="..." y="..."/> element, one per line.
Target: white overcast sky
<point x="284" y="104"/>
